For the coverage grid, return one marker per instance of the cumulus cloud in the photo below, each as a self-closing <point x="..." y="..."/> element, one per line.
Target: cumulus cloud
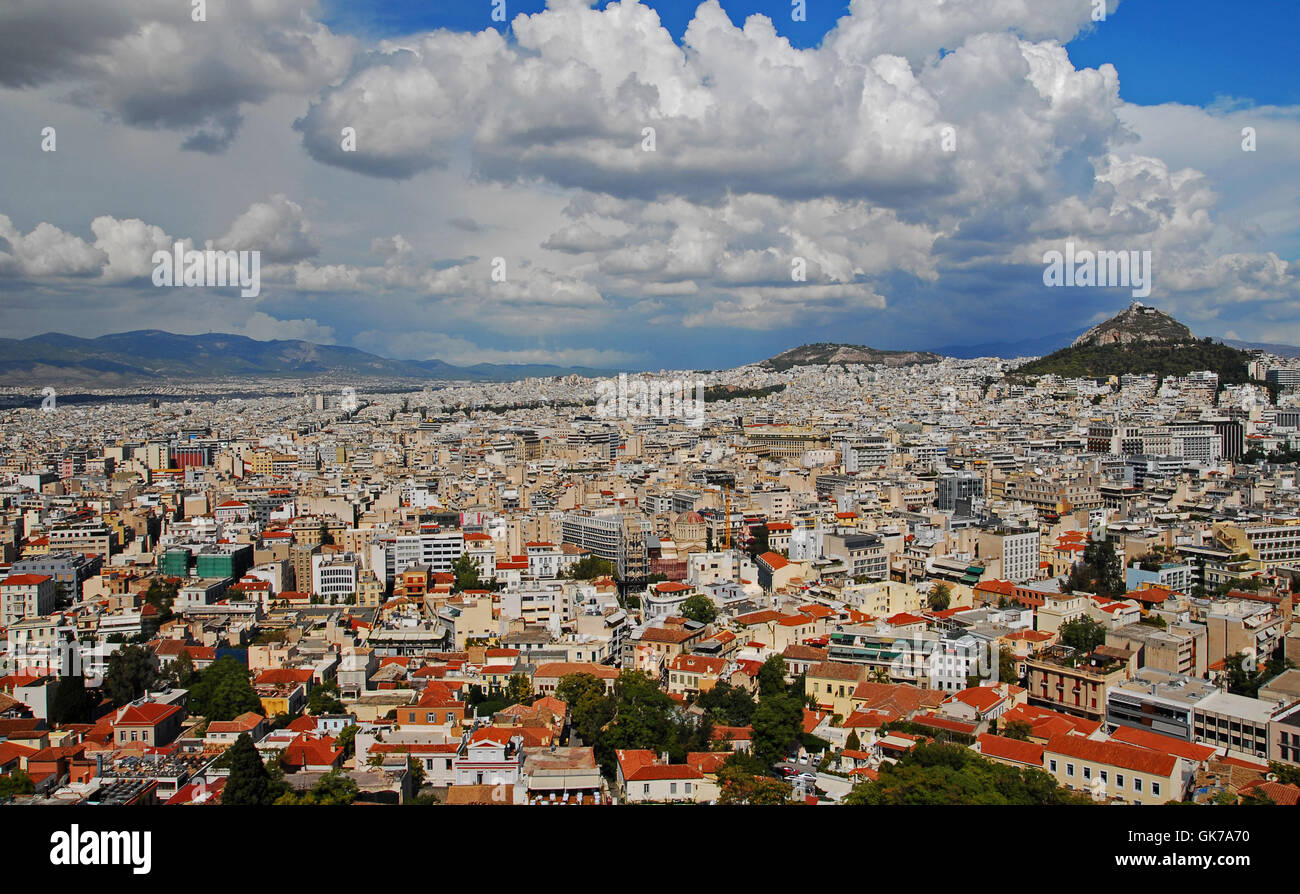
<point x="148" y="64"/>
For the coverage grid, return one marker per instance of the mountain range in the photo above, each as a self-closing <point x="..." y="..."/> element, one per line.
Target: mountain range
<point x="151" y="356"/>
<point x="127" y="359"/>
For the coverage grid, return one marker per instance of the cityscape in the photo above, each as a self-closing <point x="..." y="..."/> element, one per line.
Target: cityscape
<point x="682" y="448"/>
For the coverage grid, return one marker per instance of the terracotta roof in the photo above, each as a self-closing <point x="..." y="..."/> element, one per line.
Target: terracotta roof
<point x="1115" y="754"/>
<point x="148" y="714"/>
<point x="1010" y="749"/>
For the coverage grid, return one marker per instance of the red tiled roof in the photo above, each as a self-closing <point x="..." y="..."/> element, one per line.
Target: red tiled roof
<point x="1010" y="749"/>
<point x="1115" y="754"/>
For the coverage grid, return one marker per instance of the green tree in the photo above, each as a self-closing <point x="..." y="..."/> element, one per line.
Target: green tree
<point x="1008" y="667"/>
<point x="778" y="727"/>
<point x="519" y="690"/>
<point x="1018" y="729"/>
<point x="590" y="708"/>
<point x="72" y="703"/>
<point x="347" y="740"/>
<point x="182" y="672"/>
<point x="737" y="786"/>
<point x="953" y="774"/>
<point x="324" y="700"/>
<point x="248" y="783"/>
<point x="700" y="608"/>
<point x="771" y="676"/>
<point x="1100" y="571"/>
<point x="1083" y="634"/>
<point x="130" y="674"/>
<point x="940" y="597"/>
<point x="590" y="568"/>
<point x="223" y="691"/>
<point x="15" y="784"/>
<point x="853" y="743"/>
<point x="728" y="705"/>
<point x="466" y="571"/>
<point x="334" y="788"/>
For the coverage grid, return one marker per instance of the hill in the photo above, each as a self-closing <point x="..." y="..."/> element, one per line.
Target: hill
<point x="127" y="359"/>
<point x="1136" y="324"/>
<point x="827" y="354"/>
<point x="1141" y="340"/>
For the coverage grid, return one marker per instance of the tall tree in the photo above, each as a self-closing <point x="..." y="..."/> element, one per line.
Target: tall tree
<point x="771" y="676"/>
<point x="131" y="673"/>
<point x="72" y="703"/>
<point x="248" y="783"/>
<point x="778" y="726"/>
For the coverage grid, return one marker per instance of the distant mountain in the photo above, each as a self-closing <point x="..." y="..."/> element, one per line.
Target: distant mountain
<point x="826" y="354"/>
<point x="1140" y="340"/>
<point x="126" y="359"/>
<point x="1267" y="347"/>
<point x="1027" y="347"/>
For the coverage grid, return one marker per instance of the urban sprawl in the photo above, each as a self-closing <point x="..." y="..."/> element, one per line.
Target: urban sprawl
<point x="834" y="581"/>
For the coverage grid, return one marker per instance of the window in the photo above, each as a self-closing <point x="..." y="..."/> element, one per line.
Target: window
<point x="647" y="788"/>
<point x="1087" y="772"/>
<point x="1137" y="784"/>
<point x="688" y="789"/>
<point x="1069" y="769"/>
<point x="1052" y="766"/>
<point x="672" y="788"/>
<point x="1119" y="779"/>
<point x="1103" y="775"/>
<point x="1155" y="789"/>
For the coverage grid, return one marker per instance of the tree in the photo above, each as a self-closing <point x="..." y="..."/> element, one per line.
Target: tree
<point x="590" y="568"/>
<point x="940" y="597"/>
<point x="72" y="703"/>
<point x="182" y="671"/>
<point x="741" y="787"/>
<point x="248" y="783"/>
<point x="953" y="774"/>
<point x="1018" y="729"/>
<point x="334" y="788"/>
<point x="590" y="708"/>
<point x="759" y="542"/>
<point x="728" y="705"/>
<point x="778" y="727"/>
<point x="1008" y="667"/>
<point x="324" y="700"/>
<point x="700" y="608"/>
<point x="519" y="690"/>
<point x="1083" y="634"/>
<point x="16" y="783"/>
<point x="771" y="676"/>
<point x="347" y="740"/>
<point x="223" y="691"/>
<point x="1100" y="571"/>
<point x="131" y="673"/>
<point x="466" y="571"/>
<point x="853" y="743"/>
<point x="416" y="766"/>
